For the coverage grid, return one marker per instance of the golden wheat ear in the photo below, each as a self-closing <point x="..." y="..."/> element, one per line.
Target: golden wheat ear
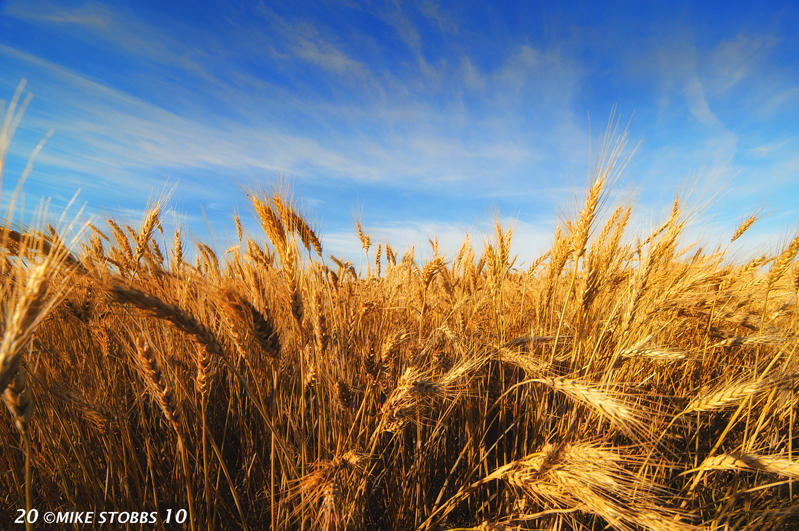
<point x="159" y="388"/>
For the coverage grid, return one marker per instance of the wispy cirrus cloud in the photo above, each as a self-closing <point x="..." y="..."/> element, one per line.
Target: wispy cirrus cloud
<point x="695" y="97"/>
<point x="419" y="149"/>
<point x="766" y="149"/>
<point x="428" y="105"/>
<point x="94" y="22"/>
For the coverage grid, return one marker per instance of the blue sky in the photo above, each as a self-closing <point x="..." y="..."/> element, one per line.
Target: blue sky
<point x="416" y="119"/>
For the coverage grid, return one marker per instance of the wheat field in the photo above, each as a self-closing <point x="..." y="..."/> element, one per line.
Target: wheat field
<point x="623" y="379"/>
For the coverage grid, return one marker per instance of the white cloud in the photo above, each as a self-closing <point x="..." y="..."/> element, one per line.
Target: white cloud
<point x="697" y="103"/>
<point x="781" y="99"/>
<point x="502" y="123"/>
<point x="733" y="60"/>
<point x="422" y="146"/>
<point x="329" y="57"/>
<point x="125" y="132"/>
<point x="765" y="150"/>
<point x="445" y="22"/>
<point x="92" y="21"/>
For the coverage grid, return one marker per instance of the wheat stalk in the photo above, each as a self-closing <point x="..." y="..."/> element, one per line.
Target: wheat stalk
<point x="160" y="390"/>
<point x="779" y="465"/>
<point x="727" y="395"/>
<point x="624" y="415"/>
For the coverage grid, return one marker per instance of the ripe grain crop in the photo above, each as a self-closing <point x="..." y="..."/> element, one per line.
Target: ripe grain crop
<point x="621" y="379"/>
